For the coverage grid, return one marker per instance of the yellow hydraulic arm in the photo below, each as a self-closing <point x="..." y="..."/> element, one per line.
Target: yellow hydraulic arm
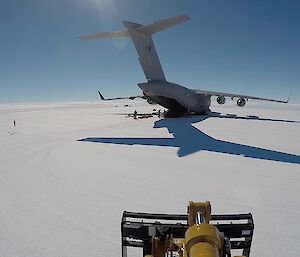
<point x="197" y="238"/>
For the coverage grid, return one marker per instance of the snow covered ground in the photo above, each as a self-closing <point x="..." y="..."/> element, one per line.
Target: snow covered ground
<point x="68" y="170"/>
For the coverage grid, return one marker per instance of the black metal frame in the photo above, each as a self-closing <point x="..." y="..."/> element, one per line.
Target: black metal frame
<point x="137" y="229"/>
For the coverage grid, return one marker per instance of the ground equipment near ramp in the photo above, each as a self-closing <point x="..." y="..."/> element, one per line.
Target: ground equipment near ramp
<point x="198" y="234"/>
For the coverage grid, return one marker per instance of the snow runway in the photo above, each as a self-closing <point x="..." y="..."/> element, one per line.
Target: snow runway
<point x="68" y="170"/>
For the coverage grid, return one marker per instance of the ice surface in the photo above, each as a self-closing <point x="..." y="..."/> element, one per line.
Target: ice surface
<point x="68" y="170"/>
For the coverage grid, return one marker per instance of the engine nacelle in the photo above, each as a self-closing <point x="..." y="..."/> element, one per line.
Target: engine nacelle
<point x="241" y="102"/>
<point x="150" y="101"/>
<point x="221" y="100"/>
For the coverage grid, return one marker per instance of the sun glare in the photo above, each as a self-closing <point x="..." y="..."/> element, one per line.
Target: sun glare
<point x="105" y="7"/>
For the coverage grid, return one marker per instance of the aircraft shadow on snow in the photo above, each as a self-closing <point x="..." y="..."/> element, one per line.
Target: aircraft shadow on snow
<point x="190" y="139"/>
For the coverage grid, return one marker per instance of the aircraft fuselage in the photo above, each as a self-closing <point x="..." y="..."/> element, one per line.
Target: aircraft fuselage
<point x="175" y="97"/>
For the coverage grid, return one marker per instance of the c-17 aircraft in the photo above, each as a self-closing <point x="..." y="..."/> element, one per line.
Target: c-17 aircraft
<point x="176" y="98"/>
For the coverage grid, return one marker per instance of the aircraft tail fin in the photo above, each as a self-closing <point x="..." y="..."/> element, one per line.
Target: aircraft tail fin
<point x="141" y="37"/>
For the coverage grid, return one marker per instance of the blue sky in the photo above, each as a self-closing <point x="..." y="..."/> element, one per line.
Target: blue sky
<point x="238" y="46"/>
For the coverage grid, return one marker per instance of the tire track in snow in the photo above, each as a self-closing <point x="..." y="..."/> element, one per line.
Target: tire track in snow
<point x="40" y="204"/>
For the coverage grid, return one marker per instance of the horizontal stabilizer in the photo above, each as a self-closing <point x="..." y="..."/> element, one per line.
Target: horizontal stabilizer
<point x="160" y="25"/>
<point x="103" y="35"/>
<point x="141" y="37"/>
<point x="156" y="26"/>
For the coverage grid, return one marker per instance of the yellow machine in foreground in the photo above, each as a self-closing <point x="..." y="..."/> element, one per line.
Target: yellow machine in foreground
<point x="198" y="234"/>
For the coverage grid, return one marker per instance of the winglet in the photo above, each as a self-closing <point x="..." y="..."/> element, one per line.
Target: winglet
<point x="288" y="99"/>
<point x="101" y="96"/>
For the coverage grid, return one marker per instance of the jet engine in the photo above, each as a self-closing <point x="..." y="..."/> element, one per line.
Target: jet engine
<point x="221" y="100"/>
<point x="150" y="101"/>
<point x="241" y="102"/>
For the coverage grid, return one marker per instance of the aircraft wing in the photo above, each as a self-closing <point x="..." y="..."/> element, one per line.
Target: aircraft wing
<point x="103" y="35"/>
<point x="212" y="93"/>
<point x="119" y="98"/>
